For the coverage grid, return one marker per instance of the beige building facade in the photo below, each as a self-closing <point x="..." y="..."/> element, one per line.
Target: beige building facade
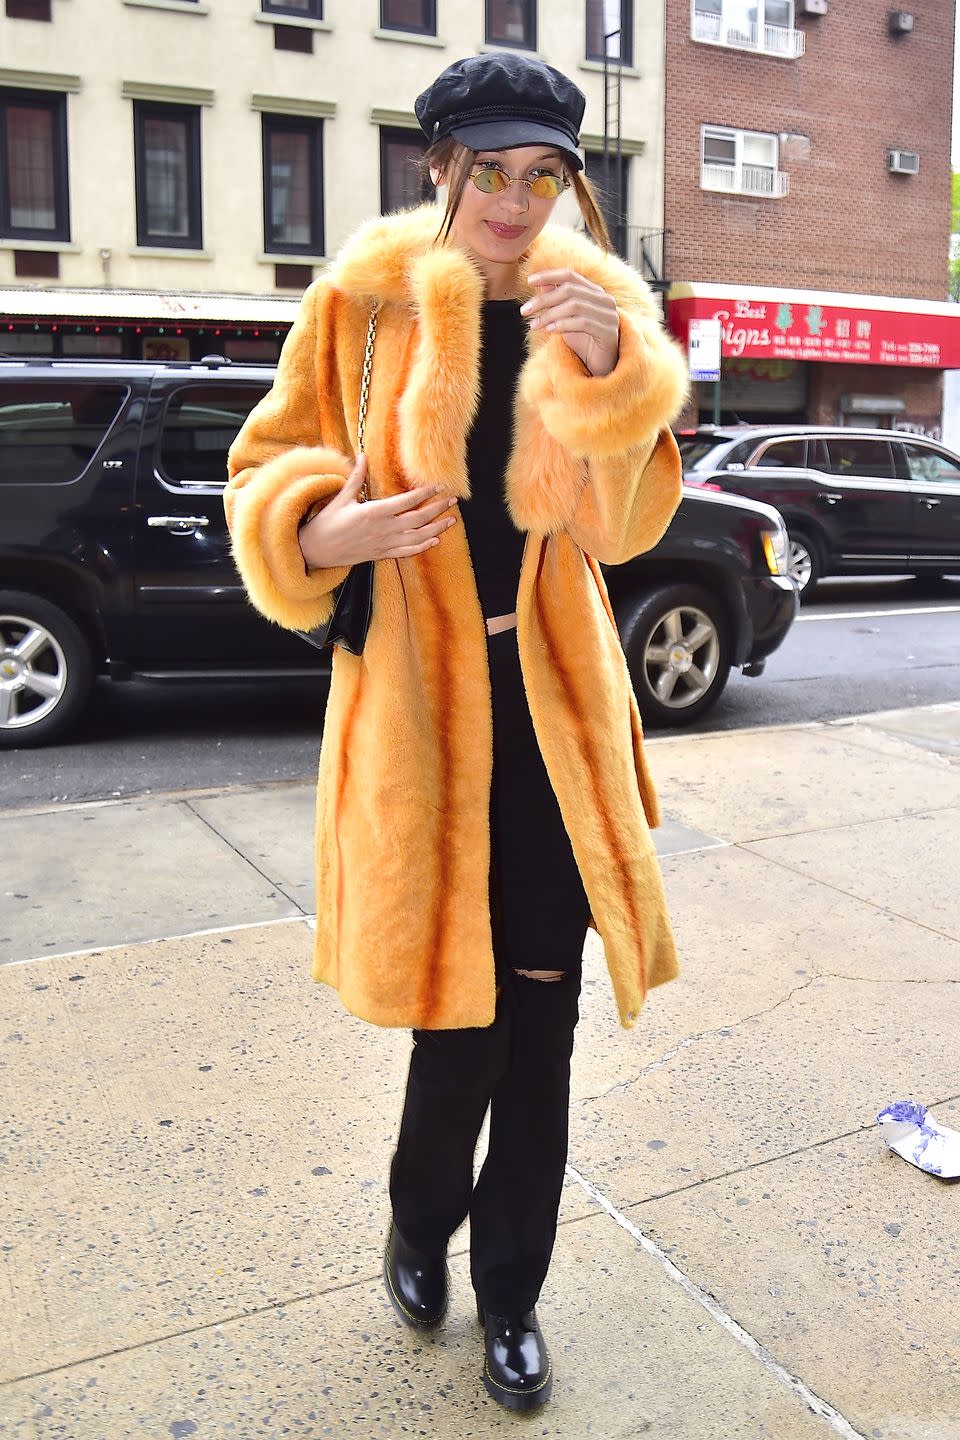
<point x="228" y="147"/>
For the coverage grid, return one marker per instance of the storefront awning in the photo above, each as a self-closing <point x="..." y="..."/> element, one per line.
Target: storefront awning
<point x="824" y="325"/>
<point x="59" y="303"/>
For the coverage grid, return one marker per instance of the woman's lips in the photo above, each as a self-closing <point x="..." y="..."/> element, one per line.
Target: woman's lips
<point x="505" y="232"/>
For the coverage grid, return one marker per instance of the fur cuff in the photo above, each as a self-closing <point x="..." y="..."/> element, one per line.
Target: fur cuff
<point x="264" y="509"/>
<point x="598" y="417"/>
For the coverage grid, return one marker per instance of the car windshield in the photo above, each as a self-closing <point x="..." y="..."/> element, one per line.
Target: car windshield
<point x="697" y="450"/>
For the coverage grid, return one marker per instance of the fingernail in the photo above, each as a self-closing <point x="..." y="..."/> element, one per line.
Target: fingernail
<point x="526" y="307"/>
<point x="452" y="501"/>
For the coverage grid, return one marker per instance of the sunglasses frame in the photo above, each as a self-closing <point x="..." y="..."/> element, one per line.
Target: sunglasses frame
<point x="488" y="169"/>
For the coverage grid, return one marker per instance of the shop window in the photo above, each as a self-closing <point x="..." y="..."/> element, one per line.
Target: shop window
<point x="200" y="423"/>
<point x="33" y="176"/>
<point x="304" y="9"/>
<point x="51" y="432"/>
<point x="417" y="16"/>
<point x="167" y="165"/>
<point x="512" y="23"/>
<point x="851" y="457"/>
<point x="400" y="182"/>
<point x="613" y="18"/>
<point x="609" y="175"/>
<point x="292" y="185"/>
<point x="741" y="162"/>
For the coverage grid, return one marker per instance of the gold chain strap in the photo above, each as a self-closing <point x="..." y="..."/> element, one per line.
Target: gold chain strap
<point x="365" y="388"/>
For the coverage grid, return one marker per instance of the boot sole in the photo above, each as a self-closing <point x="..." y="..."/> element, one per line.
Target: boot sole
<point x="519" y="1399"/>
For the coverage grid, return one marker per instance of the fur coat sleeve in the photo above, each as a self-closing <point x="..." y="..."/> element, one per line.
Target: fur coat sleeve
<point x="279" y="473"/>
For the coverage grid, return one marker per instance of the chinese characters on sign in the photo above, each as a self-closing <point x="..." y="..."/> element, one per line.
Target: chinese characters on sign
<point x="788" y="330"/>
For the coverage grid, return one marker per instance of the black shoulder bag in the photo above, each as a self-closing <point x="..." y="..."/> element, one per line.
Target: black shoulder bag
<point x="350" y="621"/>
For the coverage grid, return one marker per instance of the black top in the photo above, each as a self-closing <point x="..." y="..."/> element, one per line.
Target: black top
<point x="496" y="545"/>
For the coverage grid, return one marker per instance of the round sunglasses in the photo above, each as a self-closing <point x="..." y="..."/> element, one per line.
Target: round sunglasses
<point x="492" y="180"/>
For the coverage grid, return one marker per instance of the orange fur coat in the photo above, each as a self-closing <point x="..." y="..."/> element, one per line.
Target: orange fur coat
<point x="402" y="837"/>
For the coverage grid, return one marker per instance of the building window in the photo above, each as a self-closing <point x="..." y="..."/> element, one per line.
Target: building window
<point x="417" y="16"/>
<point x="401" y="185"/>
<point x="292" y="185"/>
<point x="167" y="162"/>
<point x="33" y="176"/>
<point x="609" y="179"/>
<point x="29" y="10"/>
<point x="763" y="25"/>
<point x="305" y="9"/>
<point x="512" y="23"/>
<point x="741" y="162"/>
<point x="613" y="18"/>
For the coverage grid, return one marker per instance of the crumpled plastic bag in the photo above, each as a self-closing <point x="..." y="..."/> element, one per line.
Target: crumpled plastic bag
<point x="913" y="1134"/>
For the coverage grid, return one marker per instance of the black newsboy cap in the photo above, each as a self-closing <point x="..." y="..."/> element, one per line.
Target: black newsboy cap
<point x="500" y="100"/>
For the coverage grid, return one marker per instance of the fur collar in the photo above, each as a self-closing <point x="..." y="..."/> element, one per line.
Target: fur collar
<point x="394" y="259"/>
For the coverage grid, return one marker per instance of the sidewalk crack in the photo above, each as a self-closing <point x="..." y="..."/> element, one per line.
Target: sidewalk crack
<point x="688" y="1040"/>
<point x="246" y="859"/>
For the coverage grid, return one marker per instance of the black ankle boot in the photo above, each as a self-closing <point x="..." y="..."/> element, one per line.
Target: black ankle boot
<point x="517" y="1370"/>
<point x="416" y="1285"/>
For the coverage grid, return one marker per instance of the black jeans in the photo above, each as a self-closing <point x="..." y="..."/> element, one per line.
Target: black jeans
<point x="520" y="1065"/>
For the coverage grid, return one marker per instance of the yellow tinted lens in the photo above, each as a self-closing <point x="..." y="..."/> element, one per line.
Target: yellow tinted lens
<point x="547" y="187"/>
<point x="491" y="182"/>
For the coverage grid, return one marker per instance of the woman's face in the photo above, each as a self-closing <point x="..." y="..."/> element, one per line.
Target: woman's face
<point x="497" y="228"/>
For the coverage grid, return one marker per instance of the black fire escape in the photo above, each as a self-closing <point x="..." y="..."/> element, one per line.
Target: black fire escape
<point x="644" y="249"/>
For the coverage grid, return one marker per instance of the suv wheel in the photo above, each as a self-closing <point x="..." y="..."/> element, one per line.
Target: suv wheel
<point x="804" y="563"/>
<point x="676" y="647"/>
<point x="46" y="670"/>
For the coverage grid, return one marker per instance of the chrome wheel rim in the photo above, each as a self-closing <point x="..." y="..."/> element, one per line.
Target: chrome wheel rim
<point x="33" y="672"/>
<point x="682" y="657"/>
<point x="799" y="563"/>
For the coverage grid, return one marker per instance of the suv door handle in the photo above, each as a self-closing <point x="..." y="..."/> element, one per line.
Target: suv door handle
<point x="928" y="501"/>
<point x="830" y="496"/>
<point x="179" y="524"/>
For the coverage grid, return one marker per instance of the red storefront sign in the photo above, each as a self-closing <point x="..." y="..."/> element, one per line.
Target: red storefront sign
<point x="804" y="325"/>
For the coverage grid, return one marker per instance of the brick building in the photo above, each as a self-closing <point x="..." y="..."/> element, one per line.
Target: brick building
<point x="807" y="203"/>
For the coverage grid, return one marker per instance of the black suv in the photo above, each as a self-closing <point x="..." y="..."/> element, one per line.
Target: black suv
<point x="115" y="558"/>
<point x="855" y="502"/>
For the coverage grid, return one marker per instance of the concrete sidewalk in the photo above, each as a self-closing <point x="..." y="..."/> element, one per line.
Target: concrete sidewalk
<point x="195" y="1160"/>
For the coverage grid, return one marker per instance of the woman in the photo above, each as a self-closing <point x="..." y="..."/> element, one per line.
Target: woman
<point x="482" y="793"/>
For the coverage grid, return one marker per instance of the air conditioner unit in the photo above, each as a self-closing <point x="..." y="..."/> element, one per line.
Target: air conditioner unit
<point x="814" y="7"/>
<point x="901" y="22"/>
<point x="903" y="162"/>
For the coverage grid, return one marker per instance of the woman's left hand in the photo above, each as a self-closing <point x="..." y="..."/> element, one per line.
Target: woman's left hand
<point x="582" y="313"/>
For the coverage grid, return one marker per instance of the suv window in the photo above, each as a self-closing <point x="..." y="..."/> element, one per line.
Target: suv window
<point x="782" y="454"/>
<point x="51" y="429"/>
<point x="930" y="466"/>
<point x="856" y="456"/>
<point x="200" y="423"/>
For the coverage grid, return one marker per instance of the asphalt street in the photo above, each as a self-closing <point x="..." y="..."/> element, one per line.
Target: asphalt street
<point x="858" y="647"/>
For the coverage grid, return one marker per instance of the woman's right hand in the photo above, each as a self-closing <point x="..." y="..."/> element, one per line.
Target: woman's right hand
<point x="348" y="531"/>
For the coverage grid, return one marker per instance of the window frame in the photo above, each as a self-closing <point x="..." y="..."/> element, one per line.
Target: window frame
<point x="875" y="444"/>
<point x="728" y="132"/>
<point x="272" y="123"/>
<point x="934" y="453"/>
<point x="429" y="7"/>
<point x="396" y="132"/>
<point x="190" y="115"/>
<point x="758" y="460"/>
<point x="57" y="105"/>
<point x="626" y="34"/>
<point x="204" y="486"/>
<point x="622" y="183"/>
<point x="285" y="11"/>
<point x="529" y="24"/>
<point x="741" y="41"/>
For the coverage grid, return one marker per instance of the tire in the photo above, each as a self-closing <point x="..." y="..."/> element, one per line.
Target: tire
<point x="804" y="561"/>
<point x="46" y="671"/>
<point x="677" y="648"/>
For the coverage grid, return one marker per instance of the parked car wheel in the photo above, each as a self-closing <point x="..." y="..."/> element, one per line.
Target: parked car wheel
<point x="46" y="670"/>
<point x="804" y="561"/>
<point x="677" y="649"/>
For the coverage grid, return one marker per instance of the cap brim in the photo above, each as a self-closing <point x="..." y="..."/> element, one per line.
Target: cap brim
<point x="509" y="134"/>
